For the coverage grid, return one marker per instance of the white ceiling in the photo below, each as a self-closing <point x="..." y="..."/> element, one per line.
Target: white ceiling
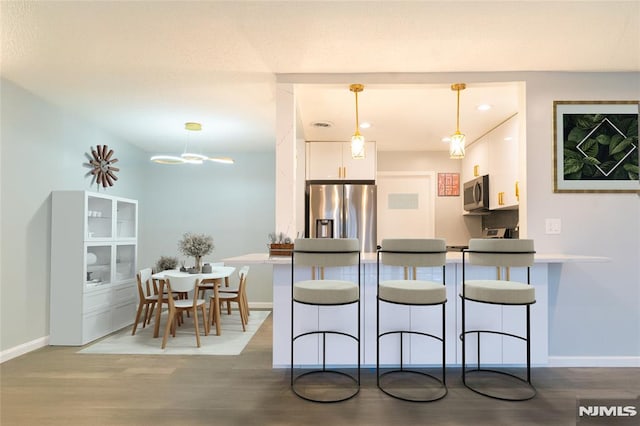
<point x="141" y="69"/>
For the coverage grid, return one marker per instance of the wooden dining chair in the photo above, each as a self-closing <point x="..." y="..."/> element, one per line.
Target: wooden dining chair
<point x="236" y="290"/>
<point x="180" y="284"/>
<point x="147" y="298"/>
<point x="219" y="299"/>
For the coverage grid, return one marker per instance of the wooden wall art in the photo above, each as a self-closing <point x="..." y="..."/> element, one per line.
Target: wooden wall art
<point x="101" y="162"/>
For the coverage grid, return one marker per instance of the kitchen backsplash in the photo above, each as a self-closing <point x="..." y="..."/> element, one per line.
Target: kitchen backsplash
<point x="501" y="219"/>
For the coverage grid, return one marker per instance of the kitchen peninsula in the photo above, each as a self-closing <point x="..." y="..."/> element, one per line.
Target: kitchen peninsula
<point x="545" y="277"/>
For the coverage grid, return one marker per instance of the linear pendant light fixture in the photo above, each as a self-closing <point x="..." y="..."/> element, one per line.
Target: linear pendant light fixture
<point x="357" y="140"/>
<point x="187" y="156"/>
<point x="456" y="146"/>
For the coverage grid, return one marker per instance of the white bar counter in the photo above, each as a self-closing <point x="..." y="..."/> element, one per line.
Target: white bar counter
<point x="494" y="349"/>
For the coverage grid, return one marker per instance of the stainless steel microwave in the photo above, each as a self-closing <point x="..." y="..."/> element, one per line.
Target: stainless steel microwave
<point x="476" y="194"/>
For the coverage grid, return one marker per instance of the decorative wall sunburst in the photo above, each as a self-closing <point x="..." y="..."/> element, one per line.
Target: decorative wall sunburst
<point x="101" y="162"/>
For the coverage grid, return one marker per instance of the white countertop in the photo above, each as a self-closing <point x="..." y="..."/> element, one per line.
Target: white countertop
<point x="452" y="257"/>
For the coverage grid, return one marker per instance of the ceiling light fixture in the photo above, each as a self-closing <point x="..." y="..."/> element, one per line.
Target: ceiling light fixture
<point x="192" y="157"/>
<point x="357" y="140"/>
<point x="187" y="156"/>
<point x="456" y="146"/>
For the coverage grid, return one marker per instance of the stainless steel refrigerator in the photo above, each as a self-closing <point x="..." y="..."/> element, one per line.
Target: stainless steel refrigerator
<point x="342" y="211"/>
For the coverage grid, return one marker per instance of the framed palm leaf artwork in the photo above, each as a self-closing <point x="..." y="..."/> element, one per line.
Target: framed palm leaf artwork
<point x="595" y="146"/>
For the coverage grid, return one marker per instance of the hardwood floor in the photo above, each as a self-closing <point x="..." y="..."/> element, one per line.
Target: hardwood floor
<point x="58" y="386"/>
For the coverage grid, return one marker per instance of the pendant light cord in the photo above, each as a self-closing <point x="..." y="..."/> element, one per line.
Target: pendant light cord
<point x="357" y="119"/>
<point x="458" y="114"/>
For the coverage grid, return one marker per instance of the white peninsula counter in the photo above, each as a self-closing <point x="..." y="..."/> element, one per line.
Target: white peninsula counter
<point x="494" y="349"/>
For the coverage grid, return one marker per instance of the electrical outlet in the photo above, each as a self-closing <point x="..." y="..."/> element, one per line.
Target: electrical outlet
<point x="553" y="226"/>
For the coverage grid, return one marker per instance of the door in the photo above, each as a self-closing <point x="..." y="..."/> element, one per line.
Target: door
<point x="406" y="205"/>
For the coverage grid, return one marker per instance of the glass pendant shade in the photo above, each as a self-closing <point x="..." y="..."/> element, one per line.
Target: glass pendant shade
<point x="456" y="146"/>
<point x="357" y="146"/>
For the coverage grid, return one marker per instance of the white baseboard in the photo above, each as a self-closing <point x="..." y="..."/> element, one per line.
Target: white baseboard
<point x="24" y="348"/>
<point x="594" y="361"/>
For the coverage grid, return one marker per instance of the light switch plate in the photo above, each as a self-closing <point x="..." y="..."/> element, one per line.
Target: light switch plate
<point x="553" y="226"/>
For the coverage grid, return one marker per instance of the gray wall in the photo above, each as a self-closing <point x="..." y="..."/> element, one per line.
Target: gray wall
<point x="594" y="307"/>
<point x="42" y="149"/>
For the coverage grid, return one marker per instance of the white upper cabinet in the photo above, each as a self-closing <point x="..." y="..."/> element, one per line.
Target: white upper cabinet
<point x="503" y="165"/>
<point x="497" y="154"/>
<point x="476" y="161"/>
<point x="332" y="161"/>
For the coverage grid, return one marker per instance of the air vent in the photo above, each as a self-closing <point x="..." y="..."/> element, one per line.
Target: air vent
<point x="322" y="124"/>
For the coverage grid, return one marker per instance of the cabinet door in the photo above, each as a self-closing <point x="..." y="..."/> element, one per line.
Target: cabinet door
<point x="363" y="169"/>
<point x="476" y="161"/>
<point x="99" y="217"/>
<point x="126" y="220"/>
<point x="125" y="262"/>
<point x="324" y="160"/>
<point x="503" y="164"/>
<point x="97" y="264"/>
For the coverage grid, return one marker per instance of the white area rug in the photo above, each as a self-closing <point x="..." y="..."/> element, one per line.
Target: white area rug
<point x="231" y="341"/>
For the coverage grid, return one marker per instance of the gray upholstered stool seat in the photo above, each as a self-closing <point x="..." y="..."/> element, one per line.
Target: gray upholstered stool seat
<point x="325" y="292"/>
<point x="414" y="292"/>
<point x="502" y="292"/>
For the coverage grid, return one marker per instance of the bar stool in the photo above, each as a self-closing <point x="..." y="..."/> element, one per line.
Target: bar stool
<point x="412" y="254"/>
<point x="502" y="291"/>
<point x="321" y="253"/>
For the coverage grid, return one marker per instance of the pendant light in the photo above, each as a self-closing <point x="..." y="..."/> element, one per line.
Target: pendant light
<point x="188" y="156"/>
<point x="357" y="140"/>
<point x="456" y="146"/>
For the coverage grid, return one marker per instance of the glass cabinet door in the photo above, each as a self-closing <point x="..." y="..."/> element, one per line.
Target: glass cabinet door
<point x="99" y="217"/>
<point x="98" y="265"/>
<point x="125" y="262"/>
<point x="126" y="219"/>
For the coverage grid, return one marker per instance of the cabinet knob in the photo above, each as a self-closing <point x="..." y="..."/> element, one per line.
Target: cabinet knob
<point x="517" y="191"/>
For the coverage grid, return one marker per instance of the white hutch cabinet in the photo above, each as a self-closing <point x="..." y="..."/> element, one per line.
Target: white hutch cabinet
<point x="94" y="241"/>
<point x="332" y="161"/>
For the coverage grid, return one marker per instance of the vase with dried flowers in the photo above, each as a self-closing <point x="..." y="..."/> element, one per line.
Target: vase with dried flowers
<point x="196" y="245"/>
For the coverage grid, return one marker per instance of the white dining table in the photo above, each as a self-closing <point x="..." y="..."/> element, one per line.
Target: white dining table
<point x="217" y="274"/>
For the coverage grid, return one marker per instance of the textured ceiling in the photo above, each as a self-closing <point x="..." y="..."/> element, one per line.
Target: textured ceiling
<point x="141" y="69"/>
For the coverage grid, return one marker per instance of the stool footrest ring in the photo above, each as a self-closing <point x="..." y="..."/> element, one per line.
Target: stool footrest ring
<point x="327" y="387"/>
<point x="529" y="394"/>
<point x="442" y="390"/>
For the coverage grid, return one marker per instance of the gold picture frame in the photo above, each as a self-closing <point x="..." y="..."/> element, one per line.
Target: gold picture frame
<point x="595" y="146"/>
